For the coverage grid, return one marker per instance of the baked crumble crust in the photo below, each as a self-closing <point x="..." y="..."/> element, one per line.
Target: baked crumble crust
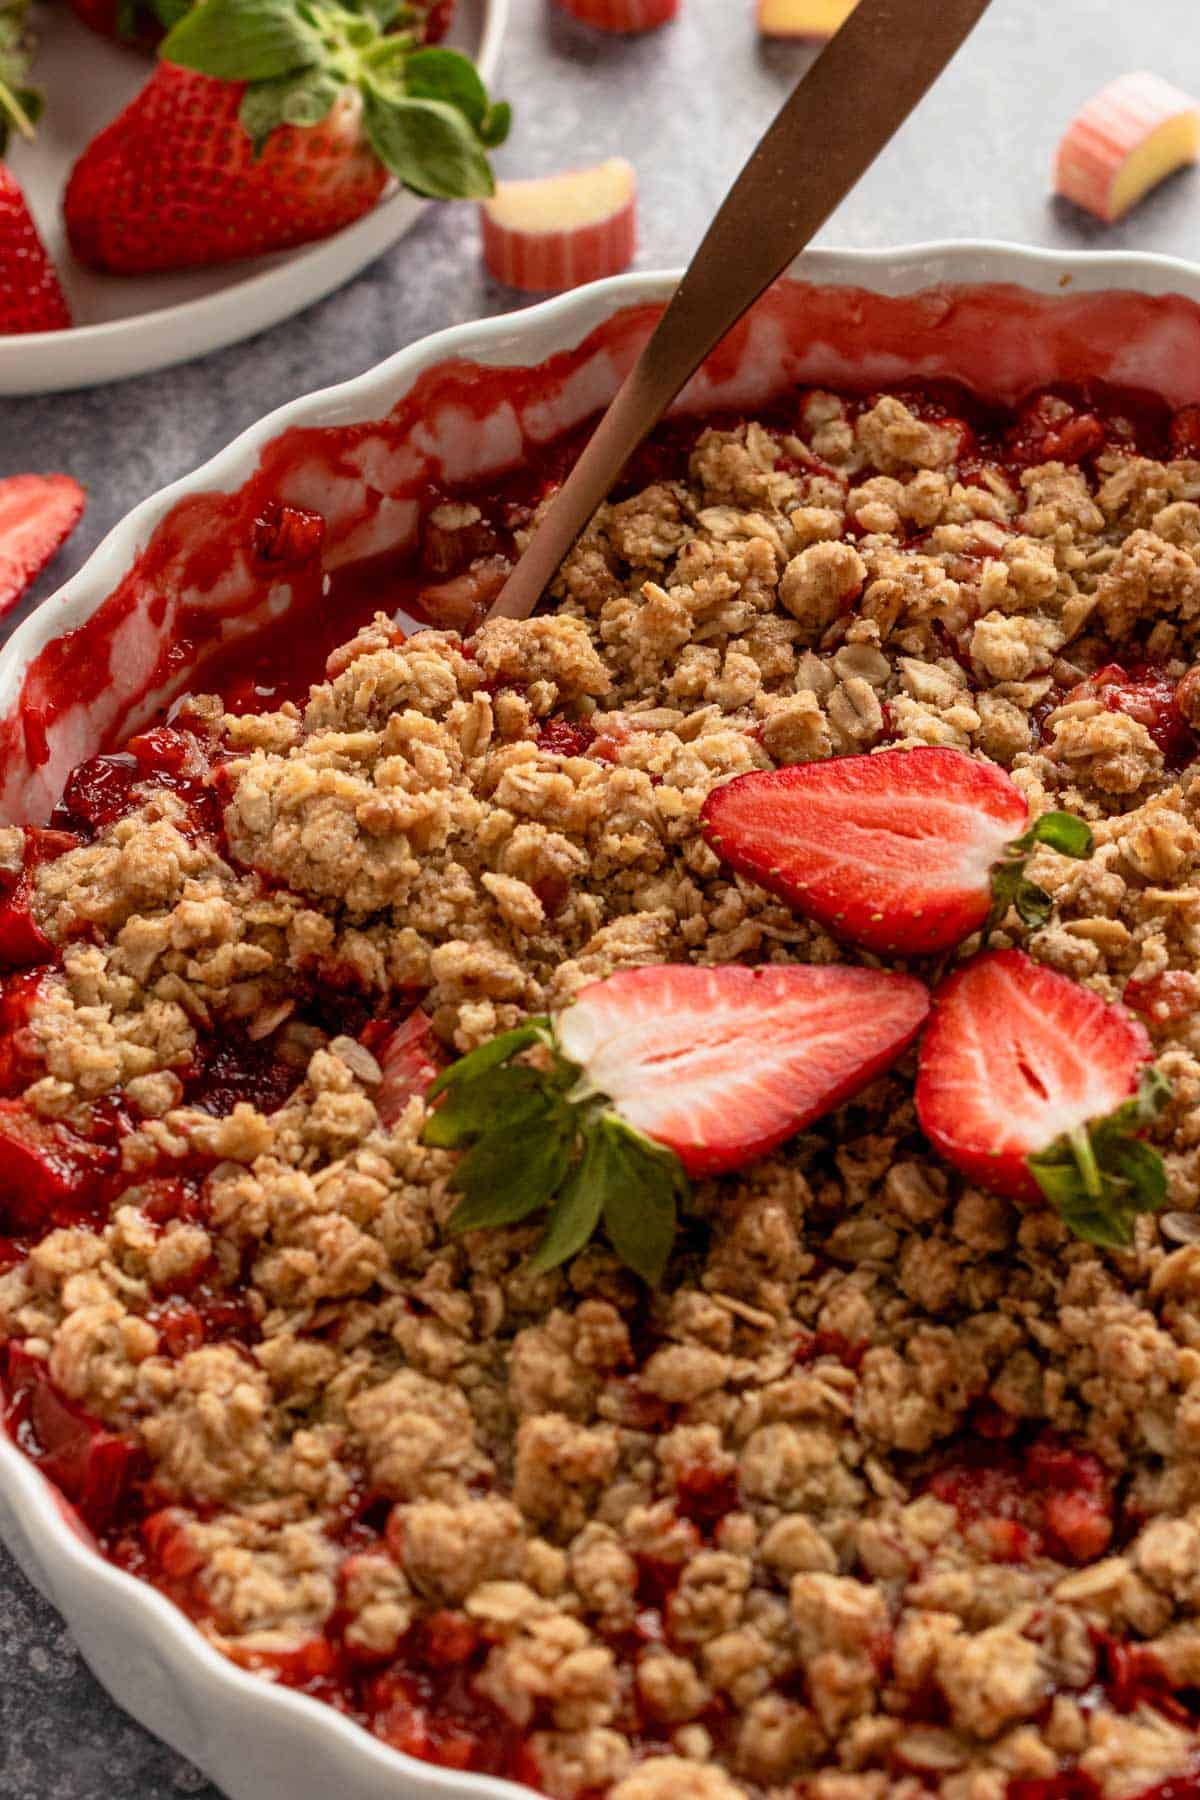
<point x="724" y="1539"/>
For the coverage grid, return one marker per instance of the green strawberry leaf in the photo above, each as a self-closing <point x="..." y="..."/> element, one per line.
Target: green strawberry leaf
<point x="244" y="40"/>
<point x="429" y="146"/>
<point x="20" y="105"/>
<point x="1012" y="890"/>
<point x="500" y="1102"/>
<point x="503" y="1188"/>
<point x="577" y="1211"/>
<point x="488" y="1056"/>
<point x="643" y="1185"/>
<point x="533" y="1141"/>
<point x="1100" y="1176"/>
<point x="1061" y="831"/>
<point x="438" y="74"/>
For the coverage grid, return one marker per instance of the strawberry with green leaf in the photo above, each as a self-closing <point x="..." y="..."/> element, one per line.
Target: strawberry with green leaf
<point x="271" y="123"/>
<point x="31" y="298"/>
<point x="1036" y="1088"/>
<point x="657" y="1075"/>
<point x="906" y="852"/>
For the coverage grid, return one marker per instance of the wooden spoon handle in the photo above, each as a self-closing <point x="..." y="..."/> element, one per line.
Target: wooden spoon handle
<point x="846" y="109"/>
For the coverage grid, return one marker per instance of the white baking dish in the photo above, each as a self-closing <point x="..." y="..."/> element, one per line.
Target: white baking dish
<point x="1002" y="319"/>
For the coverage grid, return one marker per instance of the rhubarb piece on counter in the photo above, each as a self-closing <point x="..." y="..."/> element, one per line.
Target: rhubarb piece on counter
<point x="803" y="18"/>
<point x="38" y="513"/>
<point x="623" y="16"/>
<point x="560" y="231"/>
<point x="1128" y="138"/>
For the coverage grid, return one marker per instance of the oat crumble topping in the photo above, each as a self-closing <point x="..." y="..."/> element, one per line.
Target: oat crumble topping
<point x="893" y="1488"/>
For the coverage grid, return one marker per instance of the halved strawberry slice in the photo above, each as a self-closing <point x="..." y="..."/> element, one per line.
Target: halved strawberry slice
<point x="906" y="852"/>
<point x="656" y="1074"/>
<point x="722" y="1065"/>
<point x="38" y="513"/>
<point x="1036" y="1088"/>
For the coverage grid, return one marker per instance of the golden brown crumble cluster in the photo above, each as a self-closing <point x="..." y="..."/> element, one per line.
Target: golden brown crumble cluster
<point x="695" y="1542"/>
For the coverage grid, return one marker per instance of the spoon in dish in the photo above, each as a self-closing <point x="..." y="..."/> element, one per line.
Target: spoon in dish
<point x="846" y="109"/>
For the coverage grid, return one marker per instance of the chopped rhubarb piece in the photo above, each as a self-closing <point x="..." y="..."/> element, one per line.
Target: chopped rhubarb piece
<point x="49" y="1175"/>
<point x="19" y="1061"/>
<point x="625" y="16"/>
<point x="561" y="231"/>
<point x="92" y="1466"/>
<point x="803" y="18"/>
<point x="1126" y="140"/>
<point x="410" y="1058"/>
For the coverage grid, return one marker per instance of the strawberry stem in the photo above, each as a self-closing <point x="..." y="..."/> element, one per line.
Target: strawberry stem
<point x="1011" y="888"/>
<point x="11" y="106"/>
<point x="1080" y="1139"/>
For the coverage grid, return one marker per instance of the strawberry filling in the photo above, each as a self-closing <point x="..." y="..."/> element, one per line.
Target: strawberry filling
<point x="1042" y="1498"/>
<point x="94" y="1467"/>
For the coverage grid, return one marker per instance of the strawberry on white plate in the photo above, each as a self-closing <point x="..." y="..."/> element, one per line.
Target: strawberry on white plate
<point x="38" y="513"/>
<point x="1125" y="141"/>
<point x="559" y="231"/>
<point x="1036" y="1088"/>
<point x="655" y="1075"/>
<point x="624" y="16"/>
<point x="906" y="852"/>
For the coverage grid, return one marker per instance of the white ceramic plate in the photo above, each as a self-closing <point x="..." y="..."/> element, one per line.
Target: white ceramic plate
<point x="127" y="326"/>
<point x="991" y="313"/>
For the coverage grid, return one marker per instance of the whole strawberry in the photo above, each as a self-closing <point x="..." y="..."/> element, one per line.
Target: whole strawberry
<point x="30" y="296"/>
<point x="271" y="123"/>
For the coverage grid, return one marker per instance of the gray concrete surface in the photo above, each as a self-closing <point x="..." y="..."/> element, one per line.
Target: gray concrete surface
<point x="686" y="105"/>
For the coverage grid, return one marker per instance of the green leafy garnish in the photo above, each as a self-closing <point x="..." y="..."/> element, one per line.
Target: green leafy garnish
<point x="1100" y="1176"/>
<point x="1011" y="887"/>
<point x="20" y="104"/>
<point x="426" y="113"/>
<point x="533" y="1141"/>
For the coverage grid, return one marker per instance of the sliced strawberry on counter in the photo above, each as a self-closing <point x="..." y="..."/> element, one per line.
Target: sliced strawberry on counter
<point x="245" y="140"/>
<point x="38" y="513"/>
<point x="906" y="852"/>
<point x="94" y="1467"/>
<point x="657" y="1074"/>
<point x="1036" y="1088"/>
<point x="410" y="1058"/>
